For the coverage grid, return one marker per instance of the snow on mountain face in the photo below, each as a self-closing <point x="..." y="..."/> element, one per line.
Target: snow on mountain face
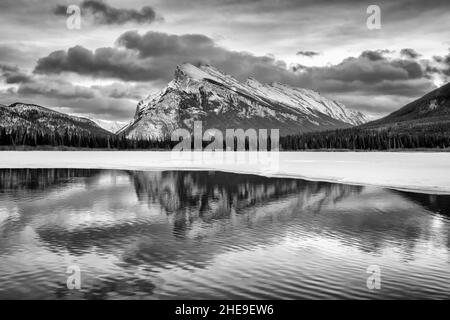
<point x="34" y="118"/>
<point x="109" y="125"/>
<point x="221" y="102"/>
<point x="305" y="100"/>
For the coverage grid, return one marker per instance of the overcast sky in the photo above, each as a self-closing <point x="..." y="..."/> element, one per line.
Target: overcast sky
<point x="126" y="50"/>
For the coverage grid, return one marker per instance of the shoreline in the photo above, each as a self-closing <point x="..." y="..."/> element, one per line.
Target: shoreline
<point x="422" y="172"/>
<point x="72" y="149"/>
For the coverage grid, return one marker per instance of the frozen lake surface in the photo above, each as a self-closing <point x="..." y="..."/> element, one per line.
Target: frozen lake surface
<point x="416" y="171"/>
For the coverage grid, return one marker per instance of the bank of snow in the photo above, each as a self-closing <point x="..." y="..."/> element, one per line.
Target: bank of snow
<point x="424" y="172"/>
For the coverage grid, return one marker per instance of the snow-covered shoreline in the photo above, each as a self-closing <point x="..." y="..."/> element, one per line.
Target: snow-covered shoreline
<point x="415" y="171"/>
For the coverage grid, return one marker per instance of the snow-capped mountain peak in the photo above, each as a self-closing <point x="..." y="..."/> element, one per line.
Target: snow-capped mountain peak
<point x="219" y="100"/>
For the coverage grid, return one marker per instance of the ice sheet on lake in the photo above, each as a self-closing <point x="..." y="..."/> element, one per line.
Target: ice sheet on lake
<point x="424" y="172"/>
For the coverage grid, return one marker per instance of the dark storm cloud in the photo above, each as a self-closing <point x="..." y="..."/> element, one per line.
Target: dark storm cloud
<point x="55" y="89"/>
<point x="168" y="51"/>
<point x="375" y="55"/>
<point x="103" y="62"/>
<point x="409" y="53"/>
<point x="12" y="74"/>
<point x="308" y="54"/>
<point x="116" y="101"/>
<point x="103" y="13"/>
<point x="153" y="57"/>
<point x="446" y="63"/>
<point x="154" y="44"/>
<point x="98" y="106"/>
<point x="58" y="88"/>
<point x="440" y="66"/>
<point x="281" y="27"/>
<point x="401" y="9"/>
<point x="370" y="68"/>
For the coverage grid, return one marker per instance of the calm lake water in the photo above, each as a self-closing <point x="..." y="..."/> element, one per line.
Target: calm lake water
<point x="213" y="235"/>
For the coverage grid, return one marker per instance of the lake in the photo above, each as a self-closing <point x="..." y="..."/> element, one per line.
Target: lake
<point x="216" y="235"/>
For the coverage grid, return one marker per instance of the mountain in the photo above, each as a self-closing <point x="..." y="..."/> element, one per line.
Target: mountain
<point x="32" y="118"/>
<point x="221" y="102"/>
<point x="109" y="125"/>
<point x="428" y="112"/>
<point x="421" y="124"/>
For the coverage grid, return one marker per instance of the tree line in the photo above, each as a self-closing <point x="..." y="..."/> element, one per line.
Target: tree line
<point x="357" y="139"/>
<point x="350" y="139"/>
<point x="20" y="137"/>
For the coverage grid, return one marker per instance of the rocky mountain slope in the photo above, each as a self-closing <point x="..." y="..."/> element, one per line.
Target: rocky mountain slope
<point x="32" y="118"/>
<point x="421" y="124"/>
<point x="430" y="111"/>
<point x="221" y="102"/>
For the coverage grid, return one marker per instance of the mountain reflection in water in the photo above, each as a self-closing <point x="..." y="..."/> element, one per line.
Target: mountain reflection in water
<point x="195" y="234"/>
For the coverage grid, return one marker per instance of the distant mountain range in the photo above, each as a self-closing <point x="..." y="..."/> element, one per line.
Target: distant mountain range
<point x="431" y="110"/>
<point x="205" y="94"/>
<point x="305" y="118"/>
<point x="34" y="119"/>
<point x="109" y="125"/>
<point x="423" y="123"/>
<point x="221" y="102"/>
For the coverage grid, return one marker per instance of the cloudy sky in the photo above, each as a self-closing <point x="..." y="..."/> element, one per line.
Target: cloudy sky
<point x="126" y="50"/>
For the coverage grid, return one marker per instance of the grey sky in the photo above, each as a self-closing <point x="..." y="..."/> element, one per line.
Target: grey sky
<point x="126" y="50"/>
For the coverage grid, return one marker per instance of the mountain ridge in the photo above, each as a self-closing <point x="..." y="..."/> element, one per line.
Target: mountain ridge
<point x="433" y="107"/>
<point x="421" y="124"/>
<point x="38" y="119"/>
<point x="220" y="101"/>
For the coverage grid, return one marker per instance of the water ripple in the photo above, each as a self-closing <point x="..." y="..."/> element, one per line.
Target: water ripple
<point x="211" y="235"/>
